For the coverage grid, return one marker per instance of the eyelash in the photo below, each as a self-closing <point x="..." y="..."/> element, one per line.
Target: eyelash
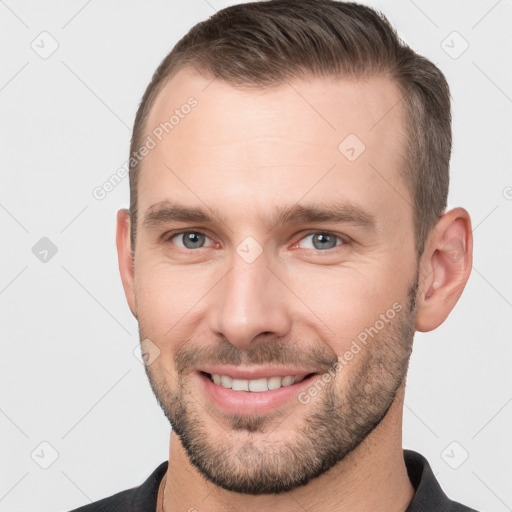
<point x="344" y="240"/>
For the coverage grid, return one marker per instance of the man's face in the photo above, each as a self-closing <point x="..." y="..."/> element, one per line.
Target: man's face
<point x="290" y="295"/>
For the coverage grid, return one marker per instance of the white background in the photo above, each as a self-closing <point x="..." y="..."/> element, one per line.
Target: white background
<point x="68" y="373"/>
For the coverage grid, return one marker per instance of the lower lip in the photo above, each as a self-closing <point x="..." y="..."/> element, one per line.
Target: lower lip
<point x="248" y="402"/>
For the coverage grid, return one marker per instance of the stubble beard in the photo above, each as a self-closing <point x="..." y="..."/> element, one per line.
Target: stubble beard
<point x="250" y="458"/>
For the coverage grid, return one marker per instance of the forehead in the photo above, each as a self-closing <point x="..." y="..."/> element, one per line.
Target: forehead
<point x="318" y="137"/>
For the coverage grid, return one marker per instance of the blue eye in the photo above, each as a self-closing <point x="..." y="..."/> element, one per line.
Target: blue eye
<point x="322" y="241"/>
<point x="319" y="241"/>
<point x="190" y="239"/>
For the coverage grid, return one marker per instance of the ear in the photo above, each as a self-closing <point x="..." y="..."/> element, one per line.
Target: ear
<point x="445" y="267"/>
<point x="125" y="258"/>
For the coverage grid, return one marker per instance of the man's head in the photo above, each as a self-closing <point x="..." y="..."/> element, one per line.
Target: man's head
<point x="289" y="223"/>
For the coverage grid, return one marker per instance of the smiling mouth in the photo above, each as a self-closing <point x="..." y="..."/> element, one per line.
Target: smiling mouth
<point x="256" y="385"/>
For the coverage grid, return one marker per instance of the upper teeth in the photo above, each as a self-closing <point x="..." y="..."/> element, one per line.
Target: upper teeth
<point x="257" y="385"/>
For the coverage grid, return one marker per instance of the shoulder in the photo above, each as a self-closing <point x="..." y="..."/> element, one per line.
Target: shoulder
<point x="115" y="503"/>
<point x="136" y="499"/>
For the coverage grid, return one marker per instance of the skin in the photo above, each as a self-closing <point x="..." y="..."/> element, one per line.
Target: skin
<point x="242" y="154"/>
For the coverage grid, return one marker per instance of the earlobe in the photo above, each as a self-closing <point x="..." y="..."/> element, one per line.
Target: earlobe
<point x="125" y="258"/>
<point x="445" y="268"/>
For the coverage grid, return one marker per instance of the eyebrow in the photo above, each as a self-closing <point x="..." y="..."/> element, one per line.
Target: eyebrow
<point x="165" y="212"/>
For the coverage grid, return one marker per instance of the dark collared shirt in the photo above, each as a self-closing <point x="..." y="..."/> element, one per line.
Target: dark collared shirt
<point x="428" y="497"/>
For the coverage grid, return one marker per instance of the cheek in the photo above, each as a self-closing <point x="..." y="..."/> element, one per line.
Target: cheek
<point x="169" y="300"/>
<point x="346" y="301"/>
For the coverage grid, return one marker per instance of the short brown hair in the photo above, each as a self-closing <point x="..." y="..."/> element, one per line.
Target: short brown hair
<point x="263" y="44"/>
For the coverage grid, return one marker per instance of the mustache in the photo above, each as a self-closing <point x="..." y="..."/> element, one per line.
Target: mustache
<point x="190" y="354"/>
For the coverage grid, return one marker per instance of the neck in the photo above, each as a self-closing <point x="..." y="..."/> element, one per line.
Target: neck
<point x="372" y="477"/>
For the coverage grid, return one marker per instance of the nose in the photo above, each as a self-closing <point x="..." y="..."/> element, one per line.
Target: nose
<point x="249" y="304"/>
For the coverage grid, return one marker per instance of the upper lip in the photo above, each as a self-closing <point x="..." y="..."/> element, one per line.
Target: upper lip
<point x="236" y="372"/>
